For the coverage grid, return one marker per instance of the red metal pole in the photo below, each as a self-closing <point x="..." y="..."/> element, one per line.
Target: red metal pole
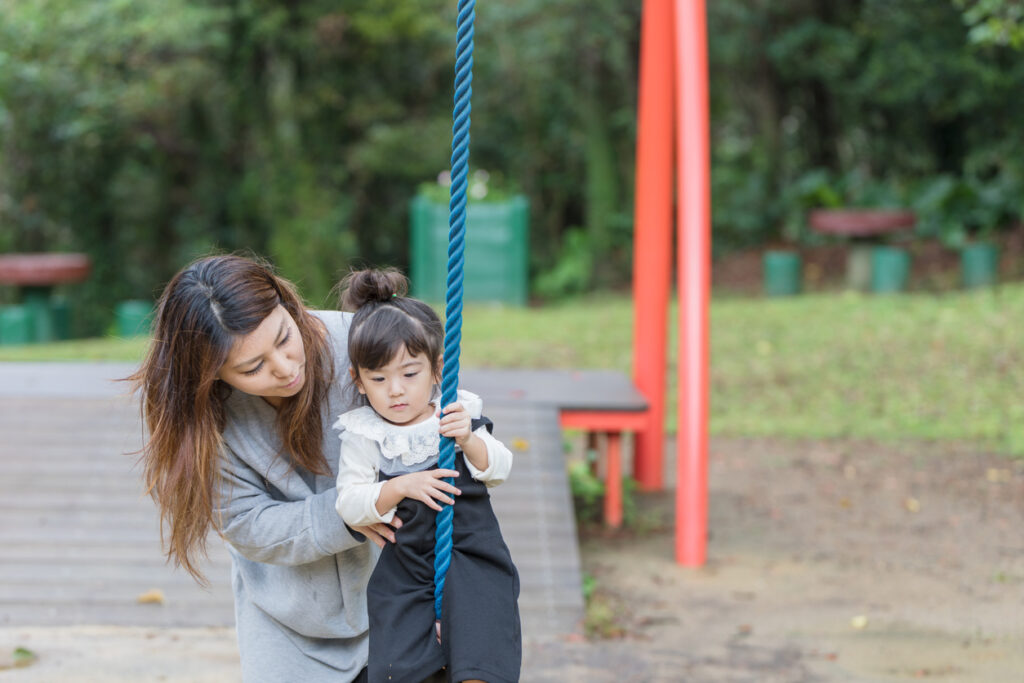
<point x="613" y="481"/>
<point x="652" y="241"/>
<point x="694" y="258"/>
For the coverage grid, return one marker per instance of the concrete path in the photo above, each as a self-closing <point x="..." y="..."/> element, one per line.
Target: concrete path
<point x="80" y="540"/>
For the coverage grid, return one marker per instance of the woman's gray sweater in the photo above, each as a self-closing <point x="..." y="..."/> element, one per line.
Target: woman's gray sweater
<point x="298" y="575"/>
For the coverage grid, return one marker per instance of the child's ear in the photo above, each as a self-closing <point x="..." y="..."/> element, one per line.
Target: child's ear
<point x="355" y="380"/>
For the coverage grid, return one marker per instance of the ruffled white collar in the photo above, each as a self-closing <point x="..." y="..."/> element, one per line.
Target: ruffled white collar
<point x="412" y="444"/>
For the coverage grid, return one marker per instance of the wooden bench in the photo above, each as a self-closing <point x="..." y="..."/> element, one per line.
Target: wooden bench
<point x="594" y="401"/>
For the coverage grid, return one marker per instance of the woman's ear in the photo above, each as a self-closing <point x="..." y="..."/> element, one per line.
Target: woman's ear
<point x="355" y="380"/>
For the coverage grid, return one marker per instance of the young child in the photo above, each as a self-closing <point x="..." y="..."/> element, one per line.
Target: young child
<point x="388" y="467"/>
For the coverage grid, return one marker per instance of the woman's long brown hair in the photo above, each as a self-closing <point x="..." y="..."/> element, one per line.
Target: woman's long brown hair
<point x="204" y="310"/>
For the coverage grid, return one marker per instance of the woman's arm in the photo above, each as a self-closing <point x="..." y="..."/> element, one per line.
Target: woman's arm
<point x="265" y="529"/>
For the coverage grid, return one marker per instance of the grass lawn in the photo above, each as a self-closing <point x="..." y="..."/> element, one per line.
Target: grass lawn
<point x="839" y="365"/>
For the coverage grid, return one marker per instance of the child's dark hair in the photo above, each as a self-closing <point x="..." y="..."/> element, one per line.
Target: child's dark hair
<point x="386" y="319"/>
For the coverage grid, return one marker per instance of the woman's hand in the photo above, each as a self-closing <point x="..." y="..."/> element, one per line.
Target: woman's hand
<point x="457" y="424"/>
<point x="427" y="486"/>
<point x="380" y="532"/>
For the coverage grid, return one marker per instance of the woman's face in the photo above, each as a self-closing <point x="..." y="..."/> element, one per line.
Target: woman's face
<point x="270" y="361"/>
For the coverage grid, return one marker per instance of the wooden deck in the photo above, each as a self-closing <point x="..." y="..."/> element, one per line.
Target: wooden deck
<point x="81" y="540"/>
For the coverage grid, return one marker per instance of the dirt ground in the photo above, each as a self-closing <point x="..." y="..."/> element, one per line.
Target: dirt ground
<point x="827" y="562"/>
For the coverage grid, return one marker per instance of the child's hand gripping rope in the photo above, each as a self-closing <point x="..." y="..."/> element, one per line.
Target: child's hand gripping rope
<point x="457" y="424"/>
<point x="427" y="487"/>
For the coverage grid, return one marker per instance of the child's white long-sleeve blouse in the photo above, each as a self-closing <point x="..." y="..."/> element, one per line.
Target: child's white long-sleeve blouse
<point x="371" y="444"/>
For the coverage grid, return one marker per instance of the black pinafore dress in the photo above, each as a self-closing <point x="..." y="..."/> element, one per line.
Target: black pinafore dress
<point x="480" y="630"/>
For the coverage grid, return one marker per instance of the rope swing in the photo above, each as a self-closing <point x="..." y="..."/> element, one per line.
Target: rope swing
<point x="456" y="259"/>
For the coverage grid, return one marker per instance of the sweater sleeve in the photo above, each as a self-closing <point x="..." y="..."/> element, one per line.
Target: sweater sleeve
<point x="264" y="528"/>
<point x="358" y="488"/>
<point x="499" y="460"/>
<point x="499" y="457"/>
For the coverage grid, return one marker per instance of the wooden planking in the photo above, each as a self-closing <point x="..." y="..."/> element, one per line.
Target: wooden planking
<point x="563" y="389"/>
<point x="595" y="390"/>
<point x="81" y="540"/>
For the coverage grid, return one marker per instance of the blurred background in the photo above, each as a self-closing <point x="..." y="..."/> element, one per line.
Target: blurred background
<point x="858" y="148"/>
<point x="145" y="133"/>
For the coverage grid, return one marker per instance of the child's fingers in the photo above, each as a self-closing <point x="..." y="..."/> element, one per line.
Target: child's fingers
<point x="457" y="427"/>
<point x="453" y="408"/>
<point x="444" y="487"/>
<point x="461" y="418"/>
<point x="437" y="495"/>
<point x="442" y="474"/>
<point x="429" y="502"/>
<point x="439" y="491"/>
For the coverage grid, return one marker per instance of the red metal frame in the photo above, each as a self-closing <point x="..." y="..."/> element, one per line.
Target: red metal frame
<point x="694" y="257"/>
<point x="613" y="481"/>
<point x="652" y="241"/>
<point x="672" y="108"/>
<point x="611" y="424"/>
<point x="603" y="420"/>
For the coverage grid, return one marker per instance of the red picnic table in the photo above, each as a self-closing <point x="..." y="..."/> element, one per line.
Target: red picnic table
<point x="36" y="274"/>
<point x="865" y="229"/>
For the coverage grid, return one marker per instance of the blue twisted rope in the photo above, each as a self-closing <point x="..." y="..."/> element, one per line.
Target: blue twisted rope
<point x="456" y="258"/>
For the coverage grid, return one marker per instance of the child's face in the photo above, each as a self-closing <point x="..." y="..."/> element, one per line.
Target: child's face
<point x="400" y="391"/>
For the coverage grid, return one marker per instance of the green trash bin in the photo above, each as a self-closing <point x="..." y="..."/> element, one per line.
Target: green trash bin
<point x="134" y="317"/>
<point x="782" y="272"/>
<point x="37" y="300"/>
<point x="60" y="314"/>
<point x="17" y="325"/>
<point x="890" y="268"/>
<point x="496" y="250"/>
<point x="979" y="265"/>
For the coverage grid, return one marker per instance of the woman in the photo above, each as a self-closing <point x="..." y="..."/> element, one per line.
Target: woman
<point x="237" y="389"/>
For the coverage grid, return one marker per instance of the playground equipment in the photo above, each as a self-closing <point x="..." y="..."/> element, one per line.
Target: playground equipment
<point x="673" y="105"/>
<point x="456" y="259"/>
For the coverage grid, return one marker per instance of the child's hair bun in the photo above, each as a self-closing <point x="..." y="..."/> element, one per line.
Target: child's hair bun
<point x="372" y="285"/>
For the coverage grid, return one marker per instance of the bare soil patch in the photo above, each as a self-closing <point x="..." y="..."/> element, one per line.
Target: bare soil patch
<point x="828" y="561"/>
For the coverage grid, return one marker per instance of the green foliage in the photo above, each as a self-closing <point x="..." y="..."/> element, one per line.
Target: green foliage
<point x="588" y="496"/>
<point x="587" y="492"/>
<point x="958" y="209"/>
<point x="867" y="101"/>
<point x="574" y="269"/>
<point x="146" y="132"/>
<point x="994" y="22"/>
<point x="88" y="92"/>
